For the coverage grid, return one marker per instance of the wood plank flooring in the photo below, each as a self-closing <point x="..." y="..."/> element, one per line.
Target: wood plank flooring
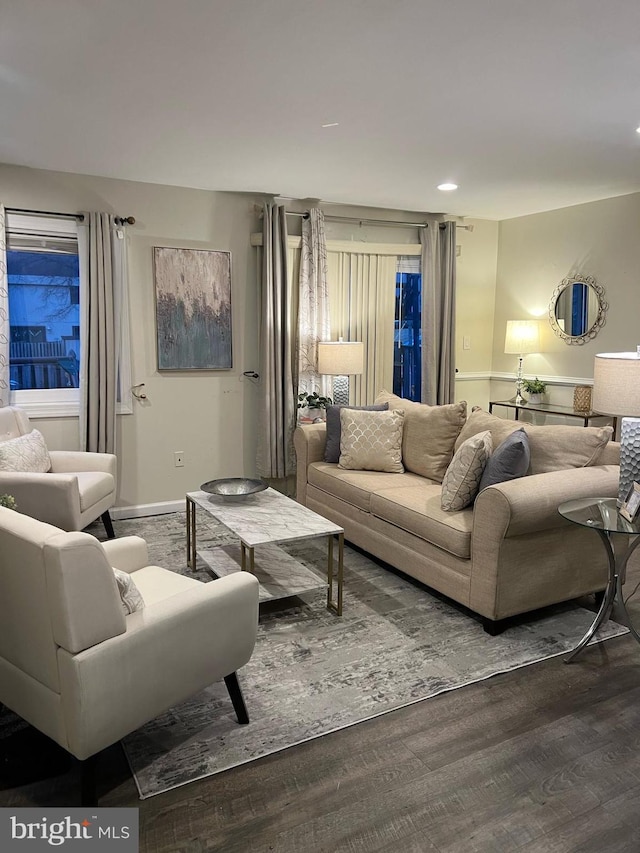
<point x="545" y="759"/>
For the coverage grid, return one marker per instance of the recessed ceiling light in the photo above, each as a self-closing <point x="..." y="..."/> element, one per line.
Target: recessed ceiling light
<point x="331" y="124"/>
<point x="447" y="188"/>
<point x="637" y="129"/>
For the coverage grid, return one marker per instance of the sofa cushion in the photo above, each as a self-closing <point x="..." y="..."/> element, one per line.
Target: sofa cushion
<point x="461" y="482"/>
<point x="553" y="447"/>
<point x="356" y="487"/>
<point x="334" y="431"/>
<point x="371" y="441"/>
<point x="93" y="487"/>
<point x="416" y="508"/>
<point x="429" y="434"/>
<point x="508" y="461"/>
<point x="26" y="453"/>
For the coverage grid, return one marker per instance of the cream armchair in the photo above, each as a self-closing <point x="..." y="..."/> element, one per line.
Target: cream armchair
<point x="79" y="488"/>
<point x="77" y="668"/>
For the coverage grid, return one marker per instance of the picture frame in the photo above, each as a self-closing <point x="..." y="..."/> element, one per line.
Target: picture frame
<point x="193" y="308"/>
<point x="631" y="505"/>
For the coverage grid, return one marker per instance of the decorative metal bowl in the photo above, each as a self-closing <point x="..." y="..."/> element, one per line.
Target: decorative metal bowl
<point x="234" y="488"/>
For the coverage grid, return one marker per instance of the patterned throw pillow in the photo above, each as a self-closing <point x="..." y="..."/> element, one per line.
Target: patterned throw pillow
<point x="130" y="596"/>
<point x="371" y="441"/>
<point x="26" y="453"/>
<point x="462" y="479"/>
<point x="332" y="445"/>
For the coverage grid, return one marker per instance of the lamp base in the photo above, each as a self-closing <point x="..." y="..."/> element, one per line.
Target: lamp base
<point x="341" y="390"/>
<point x="629" y="456"/>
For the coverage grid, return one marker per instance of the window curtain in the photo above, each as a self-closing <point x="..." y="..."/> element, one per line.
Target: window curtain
<point x="5" y="385"/>
<point x="438" y="312"/>
<point x="313" y="319"/>
<point x="278" y="371"/>
<point x="102" y="254"/>
<point x="362" y="295"/>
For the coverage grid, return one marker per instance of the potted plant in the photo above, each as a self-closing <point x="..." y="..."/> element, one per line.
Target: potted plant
<point x="535" y="388"/>
<point x="9" y="501"/>
<point x="314" y="403"/>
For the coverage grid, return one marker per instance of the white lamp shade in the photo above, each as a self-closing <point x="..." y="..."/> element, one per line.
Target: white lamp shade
<point x="522" y="336"/>
<point x="340" y="358"/>
<point x="616" y="384"/>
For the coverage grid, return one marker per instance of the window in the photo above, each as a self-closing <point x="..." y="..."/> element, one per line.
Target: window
<point x="407" y="348"/>
<point x="43" y="273"/>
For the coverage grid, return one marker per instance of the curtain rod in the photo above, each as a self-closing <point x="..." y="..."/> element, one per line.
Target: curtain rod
<point x="120" y="220"/>
<point x="392" y="222"/>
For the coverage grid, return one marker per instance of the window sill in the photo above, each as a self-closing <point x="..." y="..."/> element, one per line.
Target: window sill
<point x="59" y="408"/>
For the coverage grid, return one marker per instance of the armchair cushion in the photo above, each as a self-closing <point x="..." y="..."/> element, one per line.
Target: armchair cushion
<point x="25" y="453"/>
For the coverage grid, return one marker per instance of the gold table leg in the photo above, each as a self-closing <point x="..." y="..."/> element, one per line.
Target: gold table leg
<point x="191" y="534"/>
<point x="243" y="558"/>
<point x="335" y="606"/>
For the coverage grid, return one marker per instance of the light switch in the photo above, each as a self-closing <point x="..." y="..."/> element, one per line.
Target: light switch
<point x="466" y="342"/>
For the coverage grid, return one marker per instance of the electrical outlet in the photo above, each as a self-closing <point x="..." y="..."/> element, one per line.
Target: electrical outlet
<point x="178" y="458"/>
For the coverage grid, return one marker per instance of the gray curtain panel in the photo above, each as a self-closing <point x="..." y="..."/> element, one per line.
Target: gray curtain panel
<point x="313" y="312"/>
<point x="4" y="317"/>
<point x="278" y="370"/>
<point x="99" y="348"/>
<point x="438" y="312"/>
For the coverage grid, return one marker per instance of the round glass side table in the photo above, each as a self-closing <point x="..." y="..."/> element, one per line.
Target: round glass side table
<point x="620" y="538"/>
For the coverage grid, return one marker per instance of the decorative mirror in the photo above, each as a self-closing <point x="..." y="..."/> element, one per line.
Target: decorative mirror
<point x="577" y="309"/>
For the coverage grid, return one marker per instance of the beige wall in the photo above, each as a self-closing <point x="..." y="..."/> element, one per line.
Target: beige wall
<point x="210" y="415"/>
<point x="537" y="252"/>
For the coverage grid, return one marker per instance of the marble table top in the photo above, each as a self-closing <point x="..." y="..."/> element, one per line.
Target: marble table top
<point x="265" y="517"/>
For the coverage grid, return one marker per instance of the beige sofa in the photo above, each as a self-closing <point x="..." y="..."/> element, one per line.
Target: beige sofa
<point x="509" y="553"/>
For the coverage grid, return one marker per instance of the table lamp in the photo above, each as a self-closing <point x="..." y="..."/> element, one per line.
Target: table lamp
<point x="616" y="391"/>
<point x="340" y="359"/>
<point x="522" y="337"/>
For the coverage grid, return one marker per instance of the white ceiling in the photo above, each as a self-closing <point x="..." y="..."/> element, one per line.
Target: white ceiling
<point x="528" y="105"/>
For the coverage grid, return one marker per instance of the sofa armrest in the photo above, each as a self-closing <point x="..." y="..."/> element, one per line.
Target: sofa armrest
<point x="531" y="503"/>
<point x="309" y="442"/>
<point x="128" y="554"/>
<point x="69" y="461"/>
<point x="53" y="498"/>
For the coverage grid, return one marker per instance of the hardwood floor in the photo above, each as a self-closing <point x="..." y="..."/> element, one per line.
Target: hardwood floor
<point x="545" y="759"/>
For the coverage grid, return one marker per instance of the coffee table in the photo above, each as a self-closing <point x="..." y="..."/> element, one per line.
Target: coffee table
<point x="268" y="519"/>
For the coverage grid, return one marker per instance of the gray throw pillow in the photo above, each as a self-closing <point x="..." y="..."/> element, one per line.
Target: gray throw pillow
<point x="332" y="446"/>
<point x="508" y="461"/>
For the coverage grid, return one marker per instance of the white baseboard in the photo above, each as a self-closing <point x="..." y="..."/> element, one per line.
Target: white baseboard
<point x="142" y="510"/>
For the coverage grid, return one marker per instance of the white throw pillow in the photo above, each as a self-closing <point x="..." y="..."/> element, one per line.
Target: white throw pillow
<point x="371" y="441"/>
<point x="130" y="596"/>
<point x="462" y="479"/>
<point x="26" y="453"/>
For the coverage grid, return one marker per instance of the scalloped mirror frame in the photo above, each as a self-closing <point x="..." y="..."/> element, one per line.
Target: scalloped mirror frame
<point x="592" y="331"/>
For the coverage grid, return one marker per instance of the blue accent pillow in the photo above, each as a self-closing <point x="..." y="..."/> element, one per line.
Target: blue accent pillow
<point x="332" y="447"/>
<point x="508" y="461"/>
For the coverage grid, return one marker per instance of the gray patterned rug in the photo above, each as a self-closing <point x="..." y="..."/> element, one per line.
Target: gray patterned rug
<point x="313" y="673"/>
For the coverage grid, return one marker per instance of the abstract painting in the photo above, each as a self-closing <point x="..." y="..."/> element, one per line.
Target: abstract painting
<point x="193" y="309"/>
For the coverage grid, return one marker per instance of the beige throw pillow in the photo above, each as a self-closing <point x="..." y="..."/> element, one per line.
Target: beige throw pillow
<point x="429" y="434"/>
<point x="553" y="447"/>
<point x="371" y="441"/>
<point x="462" y="479"/>
<point x="26" y="453"/>
<point x="130" y="596"/>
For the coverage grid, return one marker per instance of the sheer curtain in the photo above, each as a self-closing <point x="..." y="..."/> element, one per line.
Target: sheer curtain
<point x="313" y="320"/>
<point x="438" y="312"/>
<point x="278" y="311"/>
<point x="104" y="301"/>
<point x="362" y="296"/>
<point x="4" y="316"/>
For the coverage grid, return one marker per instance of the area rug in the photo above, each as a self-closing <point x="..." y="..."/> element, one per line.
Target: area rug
<point x="313" y="673"/>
